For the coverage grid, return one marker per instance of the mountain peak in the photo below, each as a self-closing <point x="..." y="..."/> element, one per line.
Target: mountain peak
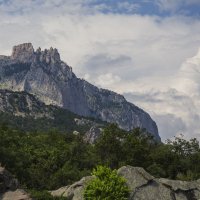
<point x="23" y="52"/>
<point x="43" y="74"/>
<point x="48" y="55"/>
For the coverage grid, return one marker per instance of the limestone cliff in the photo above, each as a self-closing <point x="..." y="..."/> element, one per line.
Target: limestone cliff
<point x="23" y="111"/>
<point x="43" y="74"/>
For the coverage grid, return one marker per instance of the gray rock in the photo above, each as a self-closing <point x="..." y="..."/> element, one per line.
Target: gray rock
<point x="93" y="134"/>
<point x="43" y="74"/>
<point x="141" y="177"/>
<point x="84" y="122"/>
<point x="142" y="186"/>
<point x="23" y="53"/>
<point x="7" y="181"/>
<point x="24" y="104"/>
<point x="9" y="187"/>
<point x="74" y="191"/>
<point x="18" y="194"/>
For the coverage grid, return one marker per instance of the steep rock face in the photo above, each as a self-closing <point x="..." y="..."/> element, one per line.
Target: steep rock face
<point x="142" y="186"/>
<point x="24" y="111"/>
<point x="23" y="52"/>
<point x="93" y="134"/>
<point x="23" y="104"/>
<point x="43" y="74"/>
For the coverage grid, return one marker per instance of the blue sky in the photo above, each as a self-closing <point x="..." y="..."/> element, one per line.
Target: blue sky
<point x="147" y="50"/>
<point x="162" y="8"/>
<point x="150" y="7"/>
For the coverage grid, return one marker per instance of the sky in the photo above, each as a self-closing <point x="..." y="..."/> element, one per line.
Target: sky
<point x="146" y="50"/>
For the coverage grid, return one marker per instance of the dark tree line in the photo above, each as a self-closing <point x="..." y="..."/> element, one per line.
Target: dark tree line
<point x="44" y="161"/>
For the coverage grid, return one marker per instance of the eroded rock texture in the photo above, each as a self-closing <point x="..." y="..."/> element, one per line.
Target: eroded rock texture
<point x="74" y="191"/>
<point x="43" y="74"/>
<point x="142" y="186"/>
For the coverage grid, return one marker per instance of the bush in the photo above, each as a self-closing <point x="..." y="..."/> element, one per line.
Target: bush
<point x="106" y="186"/>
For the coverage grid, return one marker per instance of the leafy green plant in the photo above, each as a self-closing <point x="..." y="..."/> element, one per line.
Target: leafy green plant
<point x="107" y="185"/>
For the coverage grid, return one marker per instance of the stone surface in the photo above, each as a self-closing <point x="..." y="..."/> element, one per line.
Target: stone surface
<point x="43" y="74"/>
<point x="15" y="195"/>
<point x="23" y="52"/>
<point x="7" y="181"/>
<point x="23" y="104"/>
<point x="142" y="186"/>
<point x="93" y="134"/>
<point x="15" y="106"/>
<point x="9" y="187"/>
<point x="74" y="191"/>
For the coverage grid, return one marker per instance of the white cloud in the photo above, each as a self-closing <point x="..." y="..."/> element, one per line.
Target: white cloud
<point x="127" y="6"/>
<point x="177" y="108"/>
<point x="139" y="55"/>
<point x="175" y="5"/>
<point x="104" y="80"/>
<point x="169" y="4"/>
<point x="188" y="79"/>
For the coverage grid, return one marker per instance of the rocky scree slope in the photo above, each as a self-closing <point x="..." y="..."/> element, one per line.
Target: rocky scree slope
<point x="43" y="74"/>
<point x="142" y="186"/>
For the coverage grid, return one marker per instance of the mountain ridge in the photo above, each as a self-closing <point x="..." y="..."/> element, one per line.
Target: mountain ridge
<point x="25" y="112"/>
<point x="43" y="74"/>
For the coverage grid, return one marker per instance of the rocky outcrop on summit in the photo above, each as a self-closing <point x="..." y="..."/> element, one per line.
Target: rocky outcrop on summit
<point x="23" y="53"/>
<point x="43" y="74"/>
<point x="142" y="186"/>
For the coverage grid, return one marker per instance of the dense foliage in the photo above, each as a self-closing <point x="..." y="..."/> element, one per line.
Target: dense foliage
<point x="62" y="121"/>
<point x="106" y="185"/>
<point x="44" y="161"/>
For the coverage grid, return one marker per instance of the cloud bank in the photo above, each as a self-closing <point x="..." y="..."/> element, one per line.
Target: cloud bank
<point x="153" y="59"/>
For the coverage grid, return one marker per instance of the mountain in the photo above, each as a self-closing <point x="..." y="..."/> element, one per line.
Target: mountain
<point x="23" y="111"/>
<point x="43" y="74"/>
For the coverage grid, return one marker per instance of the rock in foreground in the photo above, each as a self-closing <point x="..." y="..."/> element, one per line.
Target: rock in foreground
<point x="9" y="187"/>
<point x="142" y="186"/>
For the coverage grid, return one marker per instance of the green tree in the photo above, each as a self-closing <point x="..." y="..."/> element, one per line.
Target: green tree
<point x="109" y="146"/>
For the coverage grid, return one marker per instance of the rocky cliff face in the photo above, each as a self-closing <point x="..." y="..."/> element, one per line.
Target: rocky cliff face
<point x="43" y="74"/>
<point x="142" y="186"/>
<point x="24" y="104"/>
<point x="24" y="111"/>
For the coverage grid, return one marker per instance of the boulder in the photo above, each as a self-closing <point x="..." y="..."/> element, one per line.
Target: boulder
<point x="142" y="186"/>
<point x="15" y="195"/>
<point x="74" y="191"/>
<point x="7" y="182"/>
<point x="9" y="187"/>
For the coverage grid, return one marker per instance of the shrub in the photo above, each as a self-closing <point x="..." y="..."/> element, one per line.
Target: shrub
<point x="106" y="186"/>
